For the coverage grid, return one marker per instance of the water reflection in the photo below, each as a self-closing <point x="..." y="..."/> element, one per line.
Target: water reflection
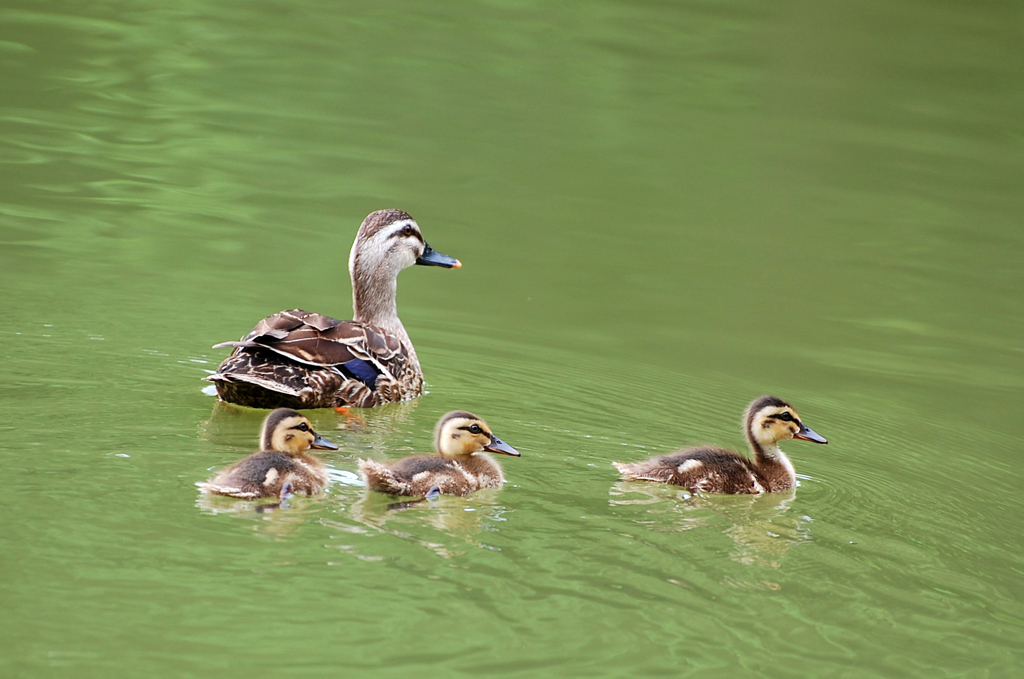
<point x="227" y="421"/>
<point x="268" y="517"/>
<point x="378" y="428"/>
<point x="210" y="503"/>
<point x="761" y="527"/>
<point x="619" y="174"/>
<point x="462" y="519"/>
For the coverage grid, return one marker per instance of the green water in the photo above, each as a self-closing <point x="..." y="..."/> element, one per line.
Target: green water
<point x="664" y="210"/>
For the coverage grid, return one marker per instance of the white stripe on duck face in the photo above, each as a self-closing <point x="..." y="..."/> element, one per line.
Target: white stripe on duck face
<point x="398" y="229"/>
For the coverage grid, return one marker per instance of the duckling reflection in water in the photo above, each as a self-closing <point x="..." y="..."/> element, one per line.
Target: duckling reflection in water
<point x="762" y="526"/>
<point x="461" y="466"/>
<point x="766" y="422"/>
<point x="446" y="525"/>
<point x="285" y="437"/>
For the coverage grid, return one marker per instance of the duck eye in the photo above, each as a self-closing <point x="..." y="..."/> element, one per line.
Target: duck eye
<point x="407" y="230"/>
<point x="785" y="417"/>
<point x="303" y="427"/>
<point x="475" y="429"/>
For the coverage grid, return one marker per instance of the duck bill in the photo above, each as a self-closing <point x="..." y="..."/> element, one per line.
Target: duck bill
<point x="323" y="444"/>
<point x="432" y="257"/>
<point x="498" y="446"/>
<point x="808" y="434"/>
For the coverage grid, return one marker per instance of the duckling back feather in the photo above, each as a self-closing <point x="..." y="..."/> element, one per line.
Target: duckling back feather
<point x="417" y="474"/>
<point x="263" y="475"/>
<point x="706" y="468"/>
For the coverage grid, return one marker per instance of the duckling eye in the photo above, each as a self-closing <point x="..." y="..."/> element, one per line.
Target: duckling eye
<point x="475" y="429"/>
<point x="303" y="427"/>
<point x="785" y="417"/>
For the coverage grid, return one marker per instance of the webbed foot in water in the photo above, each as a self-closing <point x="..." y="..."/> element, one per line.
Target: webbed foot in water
<point x="431" y="495"/>
<point x="352" y="422"/>
<point x="282" y="499"/>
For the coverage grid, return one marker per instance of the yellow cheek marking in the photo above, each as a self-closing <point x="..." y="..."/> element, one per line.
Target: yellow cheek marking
<point x="272" y="475"/>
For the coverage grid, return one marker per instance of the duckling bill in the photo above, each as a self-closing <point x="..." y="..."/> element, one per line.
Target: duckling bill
<point x="461" y="465"/>
<point x="767" y="421"/>
<point x="282" y="466"/>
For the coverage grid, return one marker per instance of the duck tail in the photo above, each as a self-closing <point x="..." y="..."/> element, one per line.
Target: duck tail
<point x="640" y="471"/>
<point x="625" y="469"/>
<point x="231" y="491"/>
<point x="381" y="478"/>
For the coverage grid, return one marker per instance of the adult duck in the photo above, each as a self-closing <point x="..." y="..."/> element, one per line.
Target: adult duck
<point x="297" y="359"/>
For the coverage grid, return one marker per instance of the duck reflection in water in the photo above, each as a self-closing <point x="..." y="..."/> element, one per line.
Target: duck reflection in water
<point x="369" y="429"/>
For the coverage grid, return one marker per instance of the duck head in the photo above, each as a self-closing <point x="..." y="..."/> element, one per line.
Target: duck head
<point x="388" y="241"/>
<point x="289" y="431"/>
<point x="461" y="434"/>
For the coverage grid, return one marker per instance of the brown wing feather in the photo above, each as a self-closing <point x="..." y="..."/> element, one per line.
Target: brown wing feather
<point x="319" y="340"/>
<point x="290" y="360"/>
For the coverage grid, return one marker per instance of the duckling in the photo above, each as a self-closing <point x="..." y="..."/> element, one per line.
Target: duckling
<point x="766" y="421"/>
<point x="460" y="467"/>
<point x="298" y="359"/>
<point x="282" y="467"/>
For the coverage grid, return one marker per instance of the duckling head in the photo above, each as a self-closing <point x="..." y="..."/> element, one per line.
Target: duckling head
<point x="289" y="431"/>
<point x="769" y="420"/>
<point x="461" y="434"/>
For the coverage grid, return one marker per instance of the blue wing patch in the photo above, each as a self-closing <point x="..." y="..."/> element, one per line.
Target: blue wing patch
<point x="362" y="371"/>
